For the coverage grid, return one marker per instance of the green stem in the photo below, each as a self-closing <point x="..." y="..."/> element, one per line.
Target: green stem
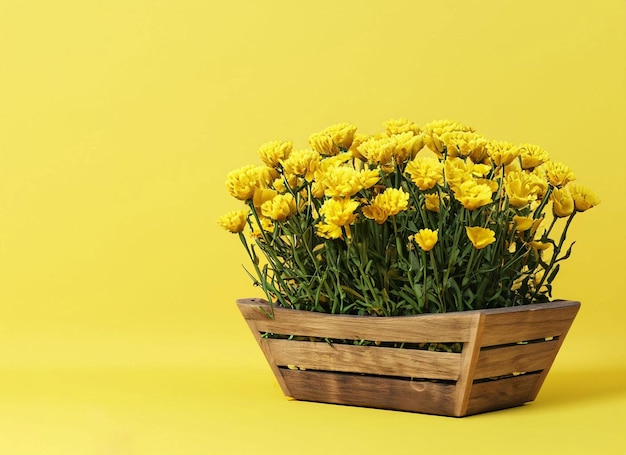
<point x="554" y="259"/>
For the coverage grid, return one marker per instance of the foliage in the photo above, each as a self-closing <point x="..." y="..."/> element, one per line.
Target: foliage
<point x="411" y="220"/>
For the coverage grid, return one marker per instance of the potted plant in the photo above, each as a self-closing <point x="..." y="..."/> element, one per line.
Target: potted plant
<point x="410" y="269"/>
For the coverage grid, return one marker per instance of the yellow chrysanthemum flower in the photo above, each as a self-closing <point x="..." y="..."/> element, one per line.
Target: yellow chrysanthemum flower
<point x="235" y="221"/>
<point x="539" y="246"/>
<point x="480" y="237"/>
<point x="425" y="172"/>
<point x="455" y="172"/>
<point x="376" y="213"/>
<point x="538" y="182"/>
<point x="532" y="156"/>
<point x="434" y="130"/>
<point x="340" y="181"/>
<point x="328" y="231"/>
<point x="389" y="203"/>
<point x="473" y="194"/>
<point x="477" y="169"/>
<point x="426" y="239"/>
<point x="317" y="189"/>
<point x="280" y="207"/>
<point x="401" y="126"/>
<point x="242" y="183"/>
<point x="465" y="144"/>
<point x="272" y="153"/>
<point x="379" y="151"/>
<point x="262" y="195"/>
<point x="339" y="212"/>
<point x="523" y="223"/>
<point x="558" y="174"/>
<point x="502" y="153"/>
<point x="302" y="163"/>
<point x="432" y="202"/>
<point x="368" y="178"/>
<point x="521" y="188"/>
<point x="584" y="198"/>
<point x="407" y="146"/>
<point x="562" y="202"/>
<point x="356" y="142"/>
<point x="333" y="140"/>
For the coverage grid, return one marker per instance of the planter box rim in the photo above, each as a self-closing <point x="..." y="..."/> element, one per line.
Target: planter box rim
<point x="558" y="303"/>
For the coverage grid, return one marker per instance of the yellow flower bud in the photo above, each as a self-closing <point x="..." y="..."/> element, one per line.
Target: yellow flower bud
<point x="426" y="239"/>
<point x="523" y="223"/>
<point x="584" y="198"/>
<point x="480" y="237"/>
<point x="234" y="222"/>
<point x="432" y="202"/>
<point x="562" y="202"/>
<point x="328" y="231"/>
<point x="539" y="246"/>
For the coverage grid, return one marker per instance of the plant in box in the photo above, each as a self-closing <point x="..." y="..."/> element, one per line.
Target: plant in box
<point x="432" y="248"/>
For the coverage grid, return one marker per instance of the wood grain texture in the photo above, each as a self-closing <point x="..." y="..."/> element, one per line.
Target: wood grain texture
<point x="411" y="363"/>
<point x="501" y="394"/>
<point x="470" y="356"/>
<point x="373" y="392"/>
<point x="442" y="328"/>
<point x="518" y="358"/>
<point x="528" y="322"/>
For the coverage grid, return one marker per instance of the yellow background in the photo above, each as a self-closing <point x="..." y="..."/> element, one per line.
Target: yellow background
<point x="118" y="122"/>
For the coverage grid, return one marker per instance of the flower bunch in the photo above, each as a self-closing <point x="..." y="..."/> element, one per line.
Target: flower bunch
<point x="411" y="220"/>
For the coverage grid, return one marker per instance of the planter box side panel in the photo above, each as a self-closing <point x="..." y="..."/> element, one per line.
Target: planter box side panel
<point x="518" y="358"/>
<point x="528" y="322"/>
<point x="372" y="360"/>
<point x="503" y="393"/>
<point x="373" y="392"/>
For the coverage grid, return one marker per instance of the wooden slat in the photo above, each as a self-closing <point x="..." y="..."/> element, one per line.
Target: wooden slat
<point x="374" y="392"/>
<point x="410" y="363"/>
<point x="501" y="394"/>
<point x="510" y="325"/>
<point x="470" y="353"/>
<point x="519" y="358"/>
<point x="438" y="328"/>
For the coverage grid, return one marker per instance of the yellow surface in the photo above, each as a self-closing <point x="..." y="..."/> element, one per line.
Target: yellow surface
<point x="118" y="122"/>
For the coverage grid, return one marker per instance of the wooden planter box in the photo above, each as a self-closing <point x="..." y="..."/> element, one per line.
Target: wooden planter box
<point x="505" y="358"/>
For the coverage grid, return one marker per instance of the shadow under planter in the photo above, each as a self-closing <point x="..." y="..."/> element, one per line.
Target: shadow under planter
<point x="506" y="354"/>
